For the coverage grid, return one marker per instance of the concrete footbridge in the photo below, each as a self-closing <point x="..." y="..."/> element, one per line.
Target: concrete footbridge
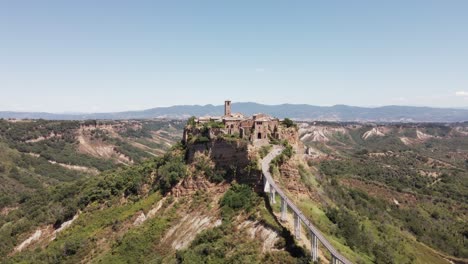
<point x="272" y="189"/>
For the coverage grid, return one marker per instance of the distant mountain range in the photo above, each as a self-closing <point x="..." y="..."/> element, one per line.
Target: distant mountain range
<point x="294" y="111"/>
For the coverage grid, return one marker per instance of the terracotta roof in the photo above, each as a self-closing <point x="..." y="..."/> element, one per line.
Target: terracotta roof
<point x="230" y="118"/>
<point x="264" y="119"/>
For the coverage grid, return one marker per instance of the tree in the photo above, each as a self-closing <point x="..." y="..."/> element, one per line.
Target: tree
<point x="191" y="121"/>
<point x="171" y="173"/>
<point x="288" y="123"/>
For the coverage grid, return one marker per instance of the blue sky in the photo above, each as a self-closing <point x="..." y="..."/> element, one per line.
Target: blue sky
<point x="97" y="56"/>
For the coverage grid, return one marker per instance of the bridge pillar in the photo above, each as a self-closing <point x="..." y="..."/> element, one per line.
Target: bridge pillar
<point x="334" y="260"/>
<point x="284" y="209"/>
<point x="297" y="227"/>
<point x="273" y="196"/>
<point x="313" y="246"/>
<point x="266" y="187"/>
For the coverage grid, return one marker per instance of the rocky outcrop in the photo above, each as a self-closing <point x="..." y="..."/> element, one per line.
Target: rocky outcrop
<point x="376" y="131"/>
<point x="142" y="217"/>
<point x="318" y="133"/>
<point x="227" y="155"/>
<point x="293" y="182"/>
<point x="183" y="233"/>
<point x="190" y="185"/>
<point x="289" y="134"/>
<point x="256" y="230"/>
<point x="43" y="235"/>
<point x="35" y="237"/>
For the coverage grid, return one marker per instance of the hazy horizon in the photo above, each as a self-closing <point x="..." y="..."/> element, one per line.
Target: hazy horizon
<point x="111" y="56"/>
<point x="219" y="104"/>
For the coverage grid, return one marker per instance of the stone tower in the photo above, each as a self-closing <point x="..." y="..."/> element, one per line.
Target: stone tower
<point x="227" y="108"/>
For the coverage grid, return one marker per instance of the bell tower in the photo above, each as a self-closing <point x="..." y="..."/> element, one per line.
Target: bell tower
<point x="227" y="108"/>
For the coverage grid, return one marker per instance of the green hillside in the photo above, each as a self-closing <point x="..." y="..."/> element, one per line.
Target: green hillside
<point x="380" y="194"/>
<point x="36" y="155"/>
<point x="107" y="230"/>
<point x="390" y="193"/>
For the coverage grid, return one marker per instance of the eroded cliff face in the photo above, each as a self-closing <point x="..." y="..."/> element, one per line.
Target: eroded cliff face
<point x="191" y="185"/>
<point x="231" y="156"/>
<point x="290" y="134"/>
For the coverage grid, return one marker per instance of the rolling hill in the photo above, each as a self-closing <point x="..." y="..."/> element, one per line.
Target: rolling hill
<point x="295" y="111"/>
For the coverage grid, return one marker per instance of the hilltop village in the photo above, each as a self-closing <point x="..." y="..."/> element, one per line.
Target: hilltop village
<point x="258" y="129"/>
<point x="233" y="140"/>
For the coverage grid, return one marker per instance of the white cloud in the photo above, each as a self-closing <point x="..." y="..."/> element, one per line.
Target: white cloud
<point x="259" y="69"/>
<point x="462" y="93"/>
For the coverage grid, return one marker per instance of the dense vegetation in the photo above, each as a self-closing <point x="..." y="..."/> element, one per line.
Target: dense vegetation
<point x="238" y="197"/>
<point x="432" y="220"/>
<point x="52" y="140"/>
<point x="171" y="172"/>
<point x="35" y="154"/>
<point x="41" y="187"/>
<point x="385" y="192"/>
<point x="59" y="204"/>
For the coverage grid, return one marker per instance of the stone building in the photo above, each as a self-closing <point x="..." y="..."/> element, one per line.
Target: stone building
<point x="257" y="129"/>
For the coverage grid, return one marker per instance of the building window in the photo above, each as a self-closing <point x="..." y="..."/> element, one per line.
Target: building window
<point x="259" y="136"/>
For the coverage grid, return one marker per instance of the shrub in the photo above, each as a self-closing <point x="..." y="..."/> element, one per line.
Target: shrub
<point x="348" y="227"/>
<point x="287" y="153"/>
<point x="201" y="139"/>
<point x="171" y="173"/>
<point x="264" y="150"/>
<point x="239" y="196"/>
<point x="191" y="121"/>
